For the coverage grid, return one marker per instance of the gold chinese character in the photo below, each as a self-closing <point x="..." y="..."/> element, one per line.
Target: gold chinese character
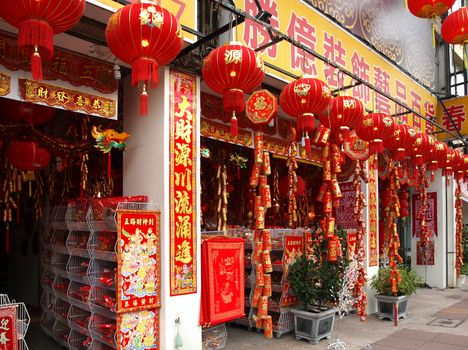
<point x="4" y="324"/>
<point x="184" y="111"/>
<point x="184" y="179"/>
<point x="183" y="253"/>
<point x="97" y="104"/>
<point x="60" y="65"/>
<point x="135" y="302"/>
<point x="183" y="154"/>
<point x="132" y="221"/>
<point x="349" y="103"/>
<point x="145" y="222"/>
<point x="61" y="96"/>
<point x="183" y="205"/>
<point x="138" y="221"/>
<point x="151" y="17"/>
<point x="183" y="130"/>
<point x="183" y="227"/>
<point x="42" y="92"/>
<point x="80" y="101"/>
<point x="87" y="72"/>
<point x="233" y="56"/>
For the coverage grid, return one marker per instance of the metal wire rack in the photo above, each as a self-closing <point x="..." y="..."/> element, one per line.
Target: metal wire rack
<point x="58" y="218"/>
<point x="22" y="318"/>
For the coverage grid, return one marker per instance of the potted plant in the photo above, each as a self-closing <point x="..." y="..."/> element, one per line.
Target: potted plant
<point x="316" y="282"/>
<point x="463" y="273"/>
<point x="410" y="280"/>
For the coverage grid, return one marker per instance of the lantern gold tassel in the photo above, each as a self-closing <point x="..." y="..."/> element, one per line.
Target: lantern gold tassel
<point x="433" y="33"/>
<point x="234" y="126"/>
<point x="144" y="101"/>
<point x="36" y="64"/>
<point x="465" y="63"/>
<point x="406" y="4"/>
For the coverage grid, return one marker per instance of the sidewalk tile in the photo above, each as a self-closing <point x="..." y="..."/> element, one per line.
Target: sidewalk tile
<point x="400" y="342"/>
<point x="452" y="339"/>
<point x="415" y="334"/>
<point x="440" y="346"/>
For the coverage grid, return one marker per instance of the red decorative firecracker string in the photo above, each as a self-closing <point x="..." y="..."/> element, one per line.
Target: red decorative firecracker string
<point x="458" y="227"/>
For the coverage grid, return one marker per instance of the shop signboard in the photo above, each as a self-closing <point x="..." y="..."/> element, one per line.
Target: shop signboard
<point x="308" y="26"/>
<point x="431" y="213"/>
<point x="293" y="248"/>
<point x="373" y="215"/>
<point x="345" y="212"/>
<point x="183" y="151"/>
<point x="457" y="108"/>
<point x="8" y="335"/>
<point x="138" y="271"/>
<point x="138" y="330"/>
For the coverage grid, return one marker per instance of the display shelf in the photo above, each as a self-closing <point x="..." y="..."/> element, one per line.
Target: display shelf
<point x="47" y="323"/>
<point x="102" y="245"/>
<point x="103" y="330"/>
<point x="79" y="341"/>
<point x="75" y="216"/>
<point x="58" y="218"/>
<point x="59" y="240"/>
<point x="47" y="227"/>
<point x="60" y="287"/>
<point x="77" y="243"/>
<point x="77" y="269"/>
<point x="214" y="338"/>
<point x="46" y="259"/>
<point x="79" y="295"/>
<point x="102" y="273"/>
<point x="47" y="280"/>
<point x="79" y="320"/>
<point x="47" y="301"/>
<point x="102" y="302"/>
<point x="101" y="219"/>
<point x="61" y="332"/>
<point x="100" y="346"/>
<point x="61" y="310"/>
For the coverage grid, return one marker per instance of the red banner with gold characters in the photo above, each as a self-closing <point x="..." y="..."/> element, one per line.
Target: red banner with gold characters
<point x="222" y="280"/>
<point x="373" y="202"/>
<point x="8" y="338"/>
<point x="293" y="247"/>
<point x="77" y="70"/>
<point x="52" y="95"/>
<point x="138" y="272"/>
<point x="4" y="84"/>
<point x="425" y="253"/>
<point x="182" y="194"/>
<point x="138" y="330"/>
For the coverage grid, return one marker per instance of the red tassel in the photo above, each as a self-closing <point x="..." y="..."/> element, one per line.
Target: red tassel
<point x="376" y="146"/>
<point x="35" y="32"/>
<point x="234" y="126"/>
<point x="144" y="101"/>
<point x="7" y="239"/>
<point x="307" y="144"/>
<point x="399" y="154"/>
<point x="233" y="101"/>
<point x="36" y="65"/>
<point x="418" y="159"/>
<point x="109" y="166"/>
<point x="432" y="176"/>
<point x="145" y="69"/>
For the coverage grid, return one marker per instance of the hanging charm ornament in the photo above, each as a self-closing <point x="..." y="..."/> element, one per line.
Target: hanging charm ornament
<point x="261" y="107"/>
<point x="146" y="36"/>
<point x="37" y="22"/>
<point x="233" y="70"/>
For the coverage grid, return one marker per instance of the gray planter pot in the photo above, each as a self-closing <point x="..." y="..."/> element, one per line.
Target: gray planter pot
<point x="313" y="326"/>
<point x="385" y="306"/>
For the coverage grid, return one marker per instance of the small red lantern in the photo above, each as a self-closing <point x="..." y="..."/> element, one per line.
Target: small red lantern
<point x="437" y="155"/>
<point x="375" y="128"/>
<point x="30" y="112"/>
<point x="403" y="138"/>
<point x="429" y="8"/>
<point x="454" y="29"/>
<point x="233" y="70"/>
<point x="262" y="107"/>
<point x="344" y="114"/>
<point x="146" y="36"/>
<point x="421" y="148"/>
<point x="304" y="98"/>
<point x="28" y="156"/>
<point x="451" y="162"/>
<point x="37" y="22"/>
<point x="459" y="167"/>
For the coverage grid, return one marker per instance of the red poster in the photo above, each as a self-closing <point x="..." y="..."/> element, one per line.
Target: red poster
<point x="183" y="187"/>
<point x="8" y="339"/>
<point x="308" y="244"/>
<point x="138" y="272"/>
<point x="293" y="247"/>
<point x="138" y="330"/>
<point x="373" y="214"/>
<point x="223" y="280"/>
<point x="431" y="213"/>
<point x="425" y="253"/>
<point x="351" y="240"/>
<point x="345" y="212"/>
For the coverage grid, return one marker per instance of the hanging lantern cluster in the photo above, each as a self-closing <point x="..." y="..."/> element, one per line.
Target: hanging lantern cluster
<point x="146" y="36"/>
<point x="375" y="128"/>
<point x="402" y="140"/>
<point x="38" y="22"/>
<point x="233" y="70"/>
<point x="304" y="98"/>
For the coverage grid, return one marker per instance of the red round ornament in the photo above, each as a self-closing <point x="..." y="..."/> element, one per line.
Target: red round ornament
<point x="146" y="36"/>
<point x="262" y="107"/>
<point x="375" y="128"/>
<point x="344" y="114"/>
<point x="37" y="22"/>
<point x="28" y="156"/>
<point x="429" y="8"/>
<point x="403" y="138"/>
<point x="233" y="70"/>
<point x="30" y="112"/>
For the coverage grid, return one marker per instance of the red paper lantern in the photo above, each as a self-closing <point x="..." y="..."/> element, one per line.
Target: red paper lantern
<point x="429" y="8"/>
<point x="28" y="156"/>
<point x="233" y="70"/>
<point x="459" y="167"/>
<point x="437" y="155"/>
<point x="304" y="98"/>
<point x="146" y="36"/>
<point x="284" y="186"/>
<point x="37" y="22"/>
<point x="375" y="128"/>
<point x="403" y="138"/>
<point x="344" y="114"/>
<point x="262" y="107"/>
<point x="421" y="148"/>
<point x="31" y="113"/>
<point x="454" y="29"/>
<point x="450" y="162"/>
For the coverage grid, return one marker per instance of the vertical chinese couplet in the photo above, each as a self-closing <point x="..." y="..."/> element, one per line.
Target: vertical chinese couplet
<point x="373" y="202"/>
<point x="183" y="158"/>
<point x="8" y="339"/>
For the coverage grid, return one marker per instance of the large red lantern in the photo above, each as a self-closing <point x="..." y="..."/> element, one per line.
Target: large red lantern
<point x="304" y="98"/>
<point x="37" y="22"/>
<point x="421" y="148"/>
<point x="344" y="114"/>
<point x="403" y="138"/>
<point x="28" y="156"/>
<point x="375" y="128"/>
<point x="429" y="8"/>
<point x="30" y="112"/>
<point x="437" y="155"/>
<point x="233" y="70"/>
<point x="454" y="29"/>
<point x="146" y="36"/>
